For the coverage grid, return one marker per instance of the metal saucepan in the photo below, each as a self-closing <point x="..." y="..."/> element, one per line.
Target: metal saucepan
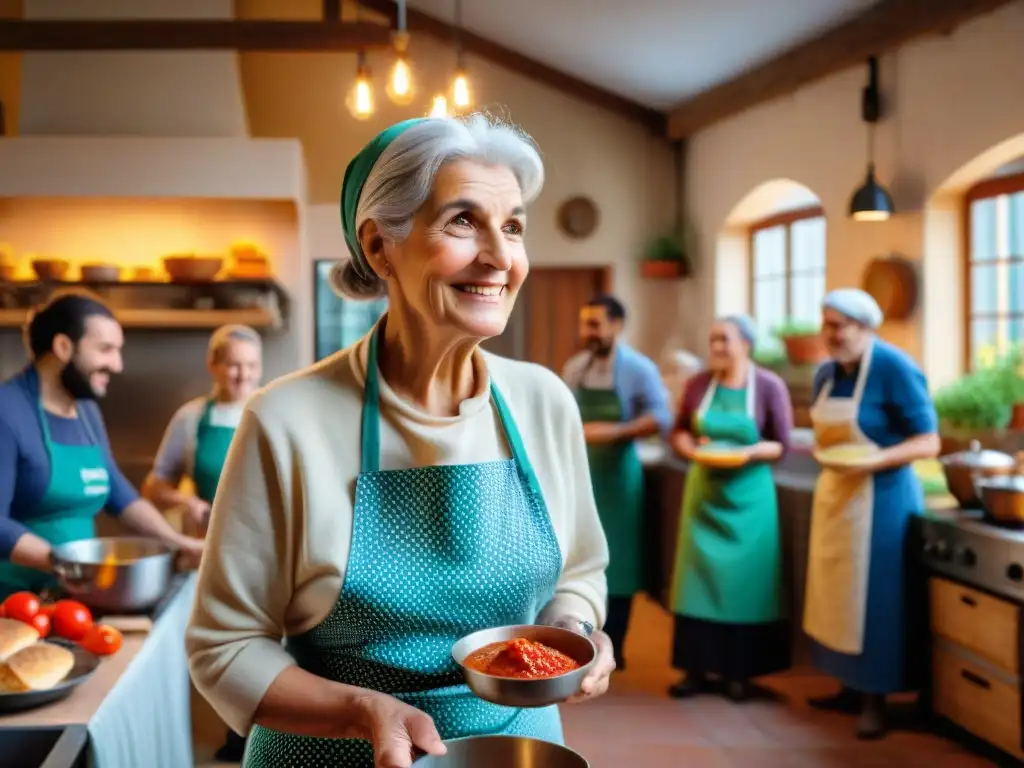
<point x="119" y="574"/>
<point x="963" y="469"/>
<point x="515" y="692"/>
<point x="1002" y="497"/>
<point x="503" y="752"/>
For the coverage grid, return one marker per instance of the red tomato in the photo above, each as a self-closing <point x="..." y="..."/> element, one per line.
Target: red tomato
<point x="48" y="609"/>
<point x="42" y="624"/>
<point x="71" y="620"/>
<point x="3" y="613"/>
<point x="22" y="606"/>
<point x="102" y="640"/>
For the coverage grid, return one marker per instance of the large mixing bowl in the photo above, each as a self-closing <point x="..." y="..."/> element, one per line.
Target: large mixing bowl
<point x="517" y="692"/>
<point x="503" y="752"/>
<point x="119" y="574"/>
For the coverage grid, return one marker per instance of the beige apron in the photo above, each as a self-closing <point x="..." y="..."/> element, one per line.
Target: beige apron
<point x="839" y="558"/>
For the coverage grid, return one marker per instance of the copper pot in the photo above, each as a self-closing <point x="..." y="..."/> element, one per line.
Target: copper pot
<point x="1002" y="497"/>
<point x="963" y="470"/>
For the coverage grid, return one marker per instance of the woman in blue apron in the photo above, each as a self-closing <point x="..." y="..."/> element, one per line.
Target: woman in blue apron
<point x="856" y="606"/>
<point x="408" y="490"/>
<point x="727" y="593"/>
<point x="196" y="442"/>
<point x="56" y="469"/>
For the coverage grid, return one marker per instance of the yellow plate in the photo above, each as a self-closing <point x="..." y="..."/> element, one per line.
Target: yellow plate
<point x="845" y="455"/>
<point x="720" y="458"/>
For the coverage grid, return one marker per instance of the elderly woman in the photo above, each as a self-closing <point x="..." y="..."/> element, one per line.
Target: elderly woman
<point x="408" y="490"/>
<point x="197" y="439"/>
<point x="870" y="395"/>
<point x="727" y="593"/>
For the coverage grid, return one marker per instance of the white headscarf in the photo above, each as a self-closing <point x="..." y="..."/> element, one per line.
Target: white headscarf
<point x="856" y="305"/>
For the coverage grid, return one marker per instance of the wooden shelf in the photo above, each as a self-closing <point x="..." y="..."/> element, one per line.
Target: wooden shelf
<point x="169" y="317"/>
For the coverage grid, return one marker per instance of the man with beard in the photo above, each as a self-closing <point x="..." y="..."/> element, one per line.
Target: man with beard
<point x="56" y="469"/>
<point x="622" y="399"/>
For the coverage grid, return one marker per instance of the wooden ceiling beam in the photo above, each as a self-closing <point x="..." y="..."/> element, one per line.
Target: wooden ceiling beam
<point x="239" y="35"/>
<point x="417" y="21"/>
<point x="883" y="27"/>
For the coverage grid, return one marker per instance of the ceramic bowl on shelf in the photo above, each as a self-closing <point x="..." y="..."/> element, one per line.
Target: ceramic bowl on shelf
<point x="51" y="269"/>
<point x="7" y="273"/>
<point x="187" y="268"/>
<point x="526" y="692"/>
<point x="100" y="273"/>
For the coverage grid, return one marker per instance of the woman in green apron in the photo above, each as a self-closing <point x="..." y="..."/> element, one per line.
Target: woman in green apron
<point x="196" y="442"/>
<point x="407" y="491"/>
<point x="727" y="593"/>
<point x="621" y="399"/>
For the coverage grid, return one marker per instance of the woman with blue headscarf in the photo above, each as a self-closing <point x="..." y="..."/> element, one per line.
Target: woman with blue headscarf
<point x="871" y="395"/>
<point x="406" y="491"/>
<point x="727" y="593"/>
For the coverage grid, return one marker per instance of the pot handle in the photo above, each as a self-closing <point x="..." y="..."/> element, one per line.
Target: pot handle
<point x="70" y="573"/>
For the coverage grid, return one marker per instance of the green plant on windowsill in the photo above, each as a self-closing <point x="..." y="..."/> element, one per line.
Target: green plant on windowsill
<point x="977" y="401"/>
<point x="792" y="329"/>
<point x="669" y="255"/>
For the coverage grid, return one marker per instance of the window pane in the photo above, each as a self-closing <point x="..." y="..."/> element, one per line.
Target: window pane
<point x="984" y="289"/>
<point x="1015" y="332"/>
<point x="808" y="244"/>
<point x="769" y="303"/>
<point x="983" y="230"/>
<point x="1016" y="234"/>
<point x="770" y="251"/>
<point x="1016" y="287"/>
<point x="984" y="342"/>
<point x="808" y="291"/>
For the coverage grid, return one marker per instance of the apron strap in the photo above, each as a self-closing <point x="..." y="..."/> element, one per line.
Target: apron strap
<point x="371" y="422"/>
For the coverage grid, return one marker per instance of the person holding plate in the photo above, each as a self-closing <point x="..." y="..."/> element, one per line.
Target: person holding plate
<point x="872" y="399"/>
<point x="727" y="592"/>
<point x="407" y="491"/>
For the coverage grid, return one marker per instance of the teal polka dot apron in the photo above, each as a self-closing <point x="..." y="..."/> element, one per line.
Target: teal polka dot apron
<point x="437" y="553"/>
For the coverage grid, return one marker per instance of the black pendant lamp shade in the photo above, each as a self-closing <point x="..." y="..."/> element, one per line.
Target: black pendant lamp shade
<point x="872" y="202"/>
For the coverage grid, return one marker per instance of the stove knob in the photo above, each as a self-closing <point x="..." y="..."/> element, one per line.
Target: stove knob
<point x="1015" y="573"/>
<point x="929" y="547"/>
<point x="966" y="557"/>
<point x="942" y="551"/>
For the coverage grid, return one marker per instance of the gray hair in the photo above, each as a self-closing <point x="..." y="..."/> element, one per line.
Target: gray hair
<point x="402" y="178"/>
<point x="226" y="334"/>
<point x="860" y="306"/>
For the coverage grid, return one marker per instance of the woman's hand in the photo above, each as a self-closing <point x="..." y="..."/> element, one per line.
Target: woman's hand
<point x="683" y="443"/>
<point x="596" y="682"/>
<point x="397" y="731"/>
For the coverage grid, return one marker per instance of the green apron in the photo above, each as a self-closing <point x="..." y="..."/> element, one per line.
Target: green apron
<point x="78" y="490"/>
<point x="212" y="443"/>
<point x="437" y="553"/>
<point x="728" y="558"/>
<point x="617" y="477"/>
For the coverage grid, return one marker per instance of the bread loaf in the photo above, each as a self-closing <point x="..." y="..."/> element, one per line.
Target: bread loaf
<point x="15" y="635"/>
<point x="41" y="666"/>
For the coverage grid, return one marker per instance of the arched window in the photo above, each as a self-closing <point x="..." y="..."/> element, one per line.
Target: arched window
<point x="787" y="268"/>
<point x="995" y="268"/>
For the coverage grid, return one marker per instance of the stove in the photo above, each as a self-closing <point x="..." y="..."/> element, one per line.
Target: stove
<point x="963" y="546"/>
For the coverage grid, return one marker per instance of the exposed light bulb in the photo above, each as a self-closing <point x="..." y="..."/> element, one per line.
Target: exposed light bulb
<point x="460" y="90"/>
<point x="359" y="100"/>
<point x="400" y="88"/>
<point x="440" y="108"/>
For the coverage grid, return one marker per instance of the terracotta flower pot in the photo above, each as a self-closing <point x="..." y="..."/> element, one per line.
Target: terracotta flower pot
<point x="663" y="270"/>
<point x="1017" y="419"/>
<point x="805" y="350"/>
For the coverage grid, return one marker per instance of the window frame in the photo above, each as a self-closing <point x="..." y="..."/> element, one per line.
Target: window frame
<point x="787" y="218"/>
<point x="983" y="190"/>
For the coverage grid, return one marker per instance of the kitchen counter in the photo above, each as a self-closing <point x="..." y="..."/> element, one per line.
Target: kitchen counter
<point x="136" y="705"/>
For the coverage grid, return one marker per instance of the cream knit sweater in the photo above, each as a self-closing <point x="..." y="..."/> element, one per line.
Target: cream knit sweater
<point x="281" y="526"/>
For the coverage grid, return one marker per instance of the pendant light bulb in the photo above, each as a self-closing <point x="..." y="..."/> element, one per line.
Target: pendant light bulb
<point x="400" y="86"/>
<point x="359" y="100"/>
<point x="440" y="107"/>
<point x="460" y="90"/>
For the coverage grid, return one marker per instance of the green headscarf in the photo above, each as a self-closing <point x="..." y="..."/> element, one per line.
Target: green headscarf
<point x="352" y="187"/>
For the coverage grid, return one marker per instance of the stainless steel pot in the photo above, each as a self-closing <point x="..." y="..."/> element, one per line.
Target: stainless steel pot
<point x="964" y="469"/>
<point x="516" y="692"/>
<point x="1002" y="497"/>
<point x="119" y="574"/>
<point x="503" y="752"/>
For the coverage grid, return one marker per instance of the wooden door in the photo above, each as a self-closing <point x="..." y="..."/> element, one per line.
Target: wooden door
<point x="554" y="296"/>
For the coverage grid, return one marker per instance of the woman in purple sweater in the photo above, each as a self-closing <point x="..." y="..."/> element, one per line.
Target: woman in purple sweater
<point x="727" y="590"/>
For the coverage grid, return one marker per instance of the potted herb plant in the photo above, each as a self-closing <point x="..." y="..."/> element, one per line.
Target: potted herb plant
<point x="804" y="345"/>
<point x="668" y="256"/>
<point x="1008" y="379"/>
<point x="976" y="402"/>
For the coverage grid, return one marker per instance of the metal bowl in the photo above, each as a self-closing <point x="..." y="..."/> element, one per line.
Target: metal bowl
<point x="120" y="574"/>
<point x="503" y="752"/>
<point x="515" y="692"/>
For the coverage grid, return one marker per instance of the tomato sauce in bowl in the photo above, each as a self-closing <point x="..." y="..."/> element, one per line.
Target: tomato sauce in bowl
<point x="521" y="659"/>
